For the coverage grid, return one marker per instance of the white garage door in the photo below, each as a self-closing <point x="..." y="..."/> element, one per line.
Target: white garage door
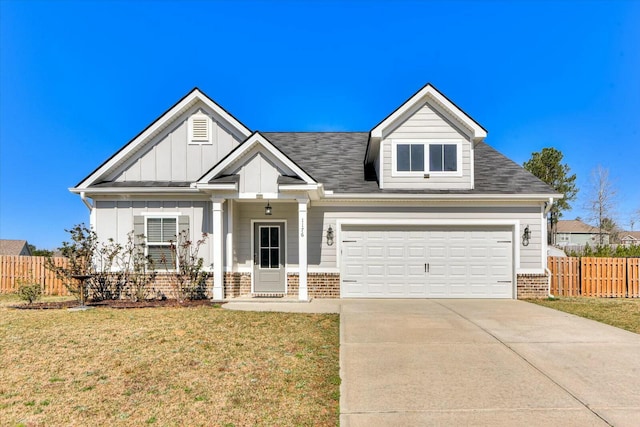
<point x="421" y="262"/>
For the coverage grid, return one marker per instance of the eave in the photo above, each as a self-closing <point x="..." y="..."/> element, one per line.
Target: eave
<point x="443" y="197"/>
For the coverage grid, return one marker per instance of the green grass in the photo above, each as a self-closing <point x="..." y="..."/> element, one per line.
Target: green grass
<point x="7" y="300"/>
<point x="168" y="366"/>
<point x="619" y="312"/>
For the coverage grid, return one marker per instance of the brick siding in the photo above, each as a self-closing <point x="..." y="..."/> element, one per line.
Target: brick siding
<point x="533" y="286"/>
<point x="237" y="284"/>
<point x="319" y="285"/>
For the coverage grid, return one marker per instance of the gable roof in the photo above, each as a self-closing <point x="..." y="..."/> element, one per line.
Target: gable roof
<point x="14" y="247"/>
<point x="335" y="159"/>
<point x="255" y="140"/>
<point x="575" y="226"/>
<point x="158" y="125"/>
<point x="429" y="92"/>
<point x="630" y="235"/>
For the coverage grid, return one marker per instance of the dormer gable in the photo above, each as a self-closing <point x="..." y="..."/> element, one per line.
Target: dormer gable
<point x="195" y="132"/>
<point x="256" y="167"/>
<point x="426" y="143"/>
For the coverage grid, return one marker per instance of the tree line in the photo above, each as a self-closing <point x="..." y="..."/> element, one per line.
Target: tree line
<point x="601" y="198"/>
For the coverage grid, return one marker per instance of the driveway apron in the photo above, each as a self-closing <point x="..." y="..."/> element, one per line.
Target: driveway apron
<point x="483" y="362"/>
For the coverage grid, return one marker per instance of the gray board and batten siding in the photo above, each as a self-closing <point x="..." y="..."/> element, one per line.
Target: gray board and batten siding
<point x="429" y="126"/>
<point x="170" y="158"/>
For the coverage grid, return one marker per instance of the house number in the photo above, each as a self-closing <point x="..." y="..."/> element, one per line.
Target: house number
<point x="301" y="227"/>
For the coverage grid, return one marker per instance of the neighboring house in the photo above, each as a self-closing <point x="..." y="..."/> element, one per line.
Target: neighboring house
<point x="576" y="232"/>
<point x="14" y="247"/>
<point x="417" y="207"/>
<point x="630" y="238"/>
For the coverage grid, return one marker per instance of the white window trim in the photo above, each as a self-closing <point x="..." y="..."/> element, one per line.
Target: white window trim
<point x="191" y="139"/>
<point x="426" y="142"/>
<point x="148" y="216"/>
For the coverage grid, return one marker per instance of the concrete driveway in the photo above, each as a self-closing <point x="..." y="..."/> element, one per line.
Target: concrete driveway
<point x="483" y="362"/>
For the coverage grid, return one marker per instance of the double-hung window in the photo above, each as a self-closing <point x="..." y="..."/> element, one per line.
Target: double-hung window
<point x="419" y="158"/>
<point x="161" y="233"/>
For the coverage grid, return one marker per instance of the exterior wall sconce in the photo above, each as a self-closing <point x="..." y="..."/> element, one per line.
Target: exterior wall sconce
<point x="267" y="209"/>
<point x="330" y="236"/>
<point x="526" y="236"/>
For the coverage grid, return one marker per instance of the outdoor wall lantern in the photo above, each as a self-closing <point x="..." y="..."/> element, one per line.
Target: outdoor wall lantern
<point x="526" y="236"/>
<point x="267" y="209"/>
<point x="330" y="236"/>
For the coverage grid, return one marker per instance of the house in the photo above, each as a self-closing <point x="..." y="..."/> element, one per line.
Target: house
<point x="630" y="238"/>
<point x="14" y="247"/>
<point x="576" y="232"/>
<point x="417" y="207"/>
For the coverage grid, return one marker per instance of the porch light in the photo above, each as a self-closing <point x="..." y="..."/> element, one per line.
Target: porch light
<point x="330" y="236"/>
<point x="526" y="236"/>
<point x="267" y="209"/>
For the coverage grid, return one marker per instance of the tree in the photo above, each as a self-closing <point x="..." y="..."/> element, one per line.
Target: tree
<point x="609" y="226"/>
<point x="601" y="200"/>
<point x="40" y="252"/>
<point x="547" y="166"/>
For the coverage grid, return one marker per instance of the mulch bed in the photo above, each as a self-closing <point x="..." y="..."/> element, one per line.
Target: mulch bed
<point x="118" y="304"/>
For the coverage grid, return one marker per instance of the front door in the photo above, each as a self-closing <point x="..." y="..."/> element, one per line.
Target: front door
<point x="268" y="258"/>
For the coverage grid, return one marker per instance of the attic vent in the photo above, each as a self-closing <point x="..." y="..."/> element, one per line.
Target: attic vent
<point x="199" y="129"/>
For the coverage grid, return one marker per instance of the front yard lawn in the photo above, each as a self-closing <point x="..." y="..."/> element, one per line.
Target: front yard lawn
<point x="168" y="366"/>
<point x="618" y="312"/>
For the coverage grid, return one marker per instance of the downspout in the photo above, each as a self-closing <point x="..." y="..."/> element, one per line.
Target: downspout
<point x="547" y="208"/>
<point x="548" y="205"/>
<point x="83" y="197"/>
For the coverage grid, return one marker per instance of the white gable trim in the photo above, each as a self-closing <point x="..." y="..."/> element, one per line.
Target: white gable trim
<point x="255" y="140"/>
<point x="182" y="105"/>
<point x="430" y="94"/>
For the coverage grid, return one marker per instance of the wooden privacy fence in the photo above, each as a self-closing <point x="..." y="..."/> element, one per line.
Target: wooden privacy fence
<point x="30" y="269"/>
<point x="595" y="277"/>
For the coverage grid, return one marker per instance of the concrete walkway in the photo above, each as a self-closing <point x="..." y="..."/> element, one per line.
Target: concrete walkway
<point x="288" y="305"/>
<point x="483" y="362"/>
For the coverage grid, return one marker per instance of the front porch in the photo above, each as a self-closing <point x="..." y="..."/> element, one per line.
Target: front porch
<point x="319" y="285"/>
<point x="264" y="250"/>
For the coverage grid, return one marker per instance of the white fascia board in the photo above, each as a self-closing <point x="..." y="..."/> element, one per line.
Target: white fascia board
<point x="223" y="187"/>
<point x="298" y="187"/>
<point x="430" y="93"/>
<point x="135" y="190"/>
<point x="498" y="197"/>
<point x="157" y="126"/>
<point x="253" y="141"/>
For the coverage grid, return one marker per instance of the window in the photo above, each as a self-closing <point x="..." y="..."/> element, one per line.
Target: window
<point x="269" y="247"/>
<point x="410" y="157"/>
<point x="199" y="129"/>
<point x="418" y="158"/>
<point x="443" y="158"/>
<point x="160" y="233"/>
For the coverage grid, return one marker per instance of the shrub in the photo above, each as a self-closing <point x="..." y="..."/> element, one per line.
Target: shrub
<point x="80" y="252"/>
<point x="29" y="292"/>
<point x="188" y="281"/>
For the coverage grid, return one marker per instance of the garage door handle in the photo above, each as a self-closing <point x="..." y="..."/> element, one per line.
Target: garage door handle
<point x="504" y="281"/>
<point x="426" y="267"/>
<point x="349" y="281"/>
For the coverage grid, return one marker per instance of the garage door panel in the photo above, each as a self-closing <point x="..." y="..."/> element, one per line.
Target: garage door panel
<point x="462" y="263"/>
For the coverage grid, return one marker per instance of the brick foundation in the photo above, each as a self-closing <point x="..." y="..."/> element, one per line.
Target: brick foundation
<point x="534" y="286"/>
<point x="237" y="284"/>
<point x="319" y="285"/>
<point x="161" y="287"/>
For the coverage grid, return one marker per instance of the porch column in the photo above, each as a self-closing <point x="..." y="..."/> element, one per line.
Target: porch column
<point x="218" y="249"/>
<point x="303" y="293"/>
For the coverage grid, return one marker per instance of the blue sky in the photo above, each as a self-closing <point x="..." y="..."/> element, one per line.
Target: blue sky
<point x="79" y="79"/>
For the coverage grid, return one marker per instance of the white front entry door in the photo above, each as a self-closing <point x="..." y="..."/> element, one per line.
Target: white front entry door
<point x="426" y="262"/>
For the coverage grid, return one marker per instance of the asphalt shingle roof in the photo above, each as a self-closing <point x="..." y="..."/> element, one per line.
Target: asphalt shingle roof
<point x="336" y="159"/>
<point x="13" y="247"/>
